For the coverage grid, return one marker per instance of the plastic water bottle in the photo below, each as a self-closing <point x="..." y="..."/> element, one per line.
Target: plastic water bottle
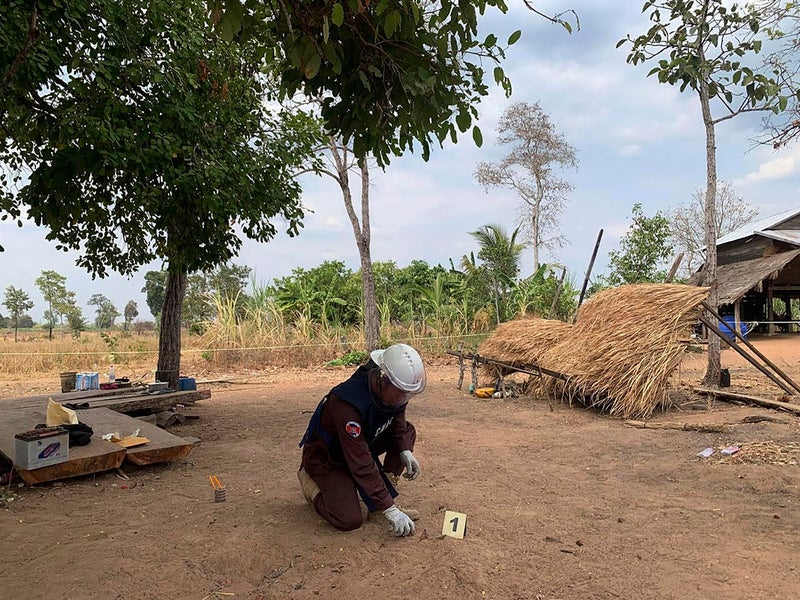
<point x="111" y="378"/>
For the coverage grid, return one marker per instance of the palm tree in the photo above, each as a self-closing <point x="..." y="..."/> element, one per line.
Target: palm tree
<point x="500" y="256"/>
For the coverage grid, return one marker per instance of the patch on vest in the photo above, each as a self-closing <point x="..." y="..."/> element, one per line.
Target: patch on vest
<point x="353" y="429"/>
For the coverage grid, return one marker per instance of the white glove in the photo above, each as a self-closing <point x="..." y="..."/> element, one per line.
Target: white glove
<point x="411" y="464"/>
<point x="402" y="525"/>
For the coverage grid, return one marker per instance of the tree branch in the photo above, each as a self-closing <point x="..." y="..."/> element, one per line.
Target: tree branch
<point x="33" y="36"/>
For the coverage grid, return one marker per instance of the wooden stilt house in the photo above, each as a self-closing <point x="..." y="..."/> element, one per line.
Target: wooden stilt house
<point x="756" y="264"/>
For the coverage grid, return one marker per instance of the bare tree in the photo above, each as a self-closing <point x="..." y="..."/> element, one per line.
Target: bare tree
<point x="536" y="150"/>
<point x="340" y="163"/>
<point x="687" y="221"/>
<point x="783" y="128"/>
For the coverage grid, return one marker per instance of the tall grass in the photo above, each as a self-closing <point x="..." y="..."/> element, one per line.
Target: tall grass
<point x="34" y="353"/>
<point x="249" y="334"/>
<point x="260" y="334"/>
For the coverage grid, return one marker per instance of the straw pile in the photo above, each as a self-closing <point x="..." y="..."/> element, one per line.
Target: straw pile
<point x="524" y="340"/>
<point x="620" y="353"/>
<point x="521" y="341"/>
<point x="624" y="347"/>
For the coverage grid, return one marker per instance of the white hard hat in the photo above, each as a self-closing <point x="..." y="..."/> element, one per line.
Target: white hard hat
<point x="403" y="366"/>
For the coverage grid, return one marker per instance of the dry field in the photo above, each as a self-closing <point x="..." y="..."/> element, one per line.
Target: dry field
<point x="561" y="504"/>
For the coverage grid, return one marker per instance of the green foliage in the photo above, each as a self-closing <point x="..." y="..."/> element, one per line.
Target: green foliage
<point x="398" y="75"/>
<point x="141" y="126"/>
<point x="642" y="251"/>
<point x="17" y="301"/>
<point x="326" y="294"/>
<point x="155" y="285"/>
<point x="75" y="321"/>
<point x="130" y="312"/>
<point x="227" y="281"/>
<point x="112" y="342"/>
<point x="394" y="75"/>
<point x="535" y="295"/>
<point x="353" y="357"/>
<point x="24" y="321"/>
<point x="707" y="43"/>
<point x="493" y="274"/>
<point x="396" y="288"/>
<point x="52" y="285"/>
<point x="105" y="311"/>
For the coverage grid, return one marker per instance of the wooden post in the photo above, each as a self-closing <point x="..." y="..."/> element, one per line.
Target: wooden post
<point x="750" y="359"/>
<point x="460" y="367"/>
<point x="588" y="273"/>
<point x="557" y="294"/>
<point x="737" y="317"/>
<point x="770" y="309"/>
<point x="674" y="268"/>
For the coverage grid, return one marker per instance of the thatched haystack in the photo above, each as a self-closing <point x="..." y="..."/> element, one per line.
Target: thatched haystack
<point x="623" y="348"/>
<point x="521" y="341"/>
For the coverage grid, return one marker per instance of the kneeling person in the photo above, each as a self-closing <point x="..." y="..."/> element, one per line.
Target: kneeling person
<point x="355" y="423"/>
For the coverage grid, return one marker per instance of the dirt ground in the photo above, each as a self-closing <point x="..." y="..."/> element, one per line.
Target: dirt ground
<point x="561" y="504"/>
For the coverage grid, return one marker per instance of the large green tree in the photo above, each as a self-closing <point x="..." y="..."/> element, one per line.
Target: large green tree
<point x="147" y="136"/>
<point x="105" y="311"/>
<point x="708" y="47"/>
<point x="130" y="312"/>
<point x="393" y="75"/>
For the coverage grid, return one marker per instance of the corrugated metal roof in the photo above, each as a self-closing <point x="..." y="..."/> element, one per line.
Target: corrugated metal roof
<point x="783" y="235"/>
<point x="758" y="226"/>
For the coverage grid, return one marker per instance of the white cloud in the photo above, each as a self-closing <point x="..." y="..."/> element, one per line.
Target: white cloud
<point x="637" y="140"/>
<point x="780" y="167"/>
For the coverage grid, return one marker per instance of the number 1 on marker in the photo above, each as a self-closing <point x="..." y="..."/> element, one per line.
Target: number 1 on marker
<point x="455" y="524"/>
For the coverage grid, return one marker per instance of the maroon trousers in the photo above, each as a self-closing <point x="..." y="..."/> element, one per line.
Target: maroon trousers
<point x="338" y="500"/>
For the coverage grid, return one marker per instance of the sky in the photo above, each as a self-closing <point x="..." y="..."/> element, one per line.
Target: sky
<point x="636" y="140"/>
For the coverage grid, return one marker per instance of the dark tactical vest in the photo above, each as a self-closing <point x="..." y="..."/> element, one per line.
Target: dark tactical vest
<point x="375" y="417"/>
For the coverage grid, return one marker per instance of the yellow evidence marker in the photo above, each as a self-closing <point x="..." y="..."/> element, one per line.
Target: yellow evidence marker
<point x="455" y="524"/>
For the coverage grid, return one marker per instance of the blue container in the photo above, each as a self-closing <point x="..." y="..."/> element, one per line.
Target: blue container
<point x="728" y="325"/>
<point x="87" y="381"/>
<point x="187" y="383"/>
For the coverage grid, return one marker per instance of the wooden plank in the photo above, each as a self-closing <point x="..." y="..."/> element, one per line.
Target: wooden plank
<point x="162" y="447"/>
<point x="765" y="402"/>
<point x="95" y="457"/>
<point x="153" y="402"/>
<point x="131" y="401"/>
<point x="80" y="396"/>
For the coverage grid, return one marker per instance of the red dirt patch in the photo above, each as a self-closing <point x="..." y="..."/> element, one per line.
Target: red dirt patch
<point x="562" y="504"/>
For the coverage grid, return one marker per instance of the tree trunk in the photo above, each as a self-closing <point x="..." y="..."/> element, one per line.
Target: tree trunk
<point x="169" y="338"/>
<point x="372" y="324"/>
<point x="362" y="233"/>
<point x="714" y="366"/>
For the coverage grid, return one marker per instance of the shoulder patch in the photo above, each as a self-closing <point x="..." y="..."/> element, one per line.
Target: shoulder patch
<point x="353" y="429"/>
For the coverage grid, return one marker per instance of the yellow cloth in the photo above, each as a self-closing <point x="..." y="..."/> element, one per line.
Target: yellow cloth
<point x="59" y="415"/>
